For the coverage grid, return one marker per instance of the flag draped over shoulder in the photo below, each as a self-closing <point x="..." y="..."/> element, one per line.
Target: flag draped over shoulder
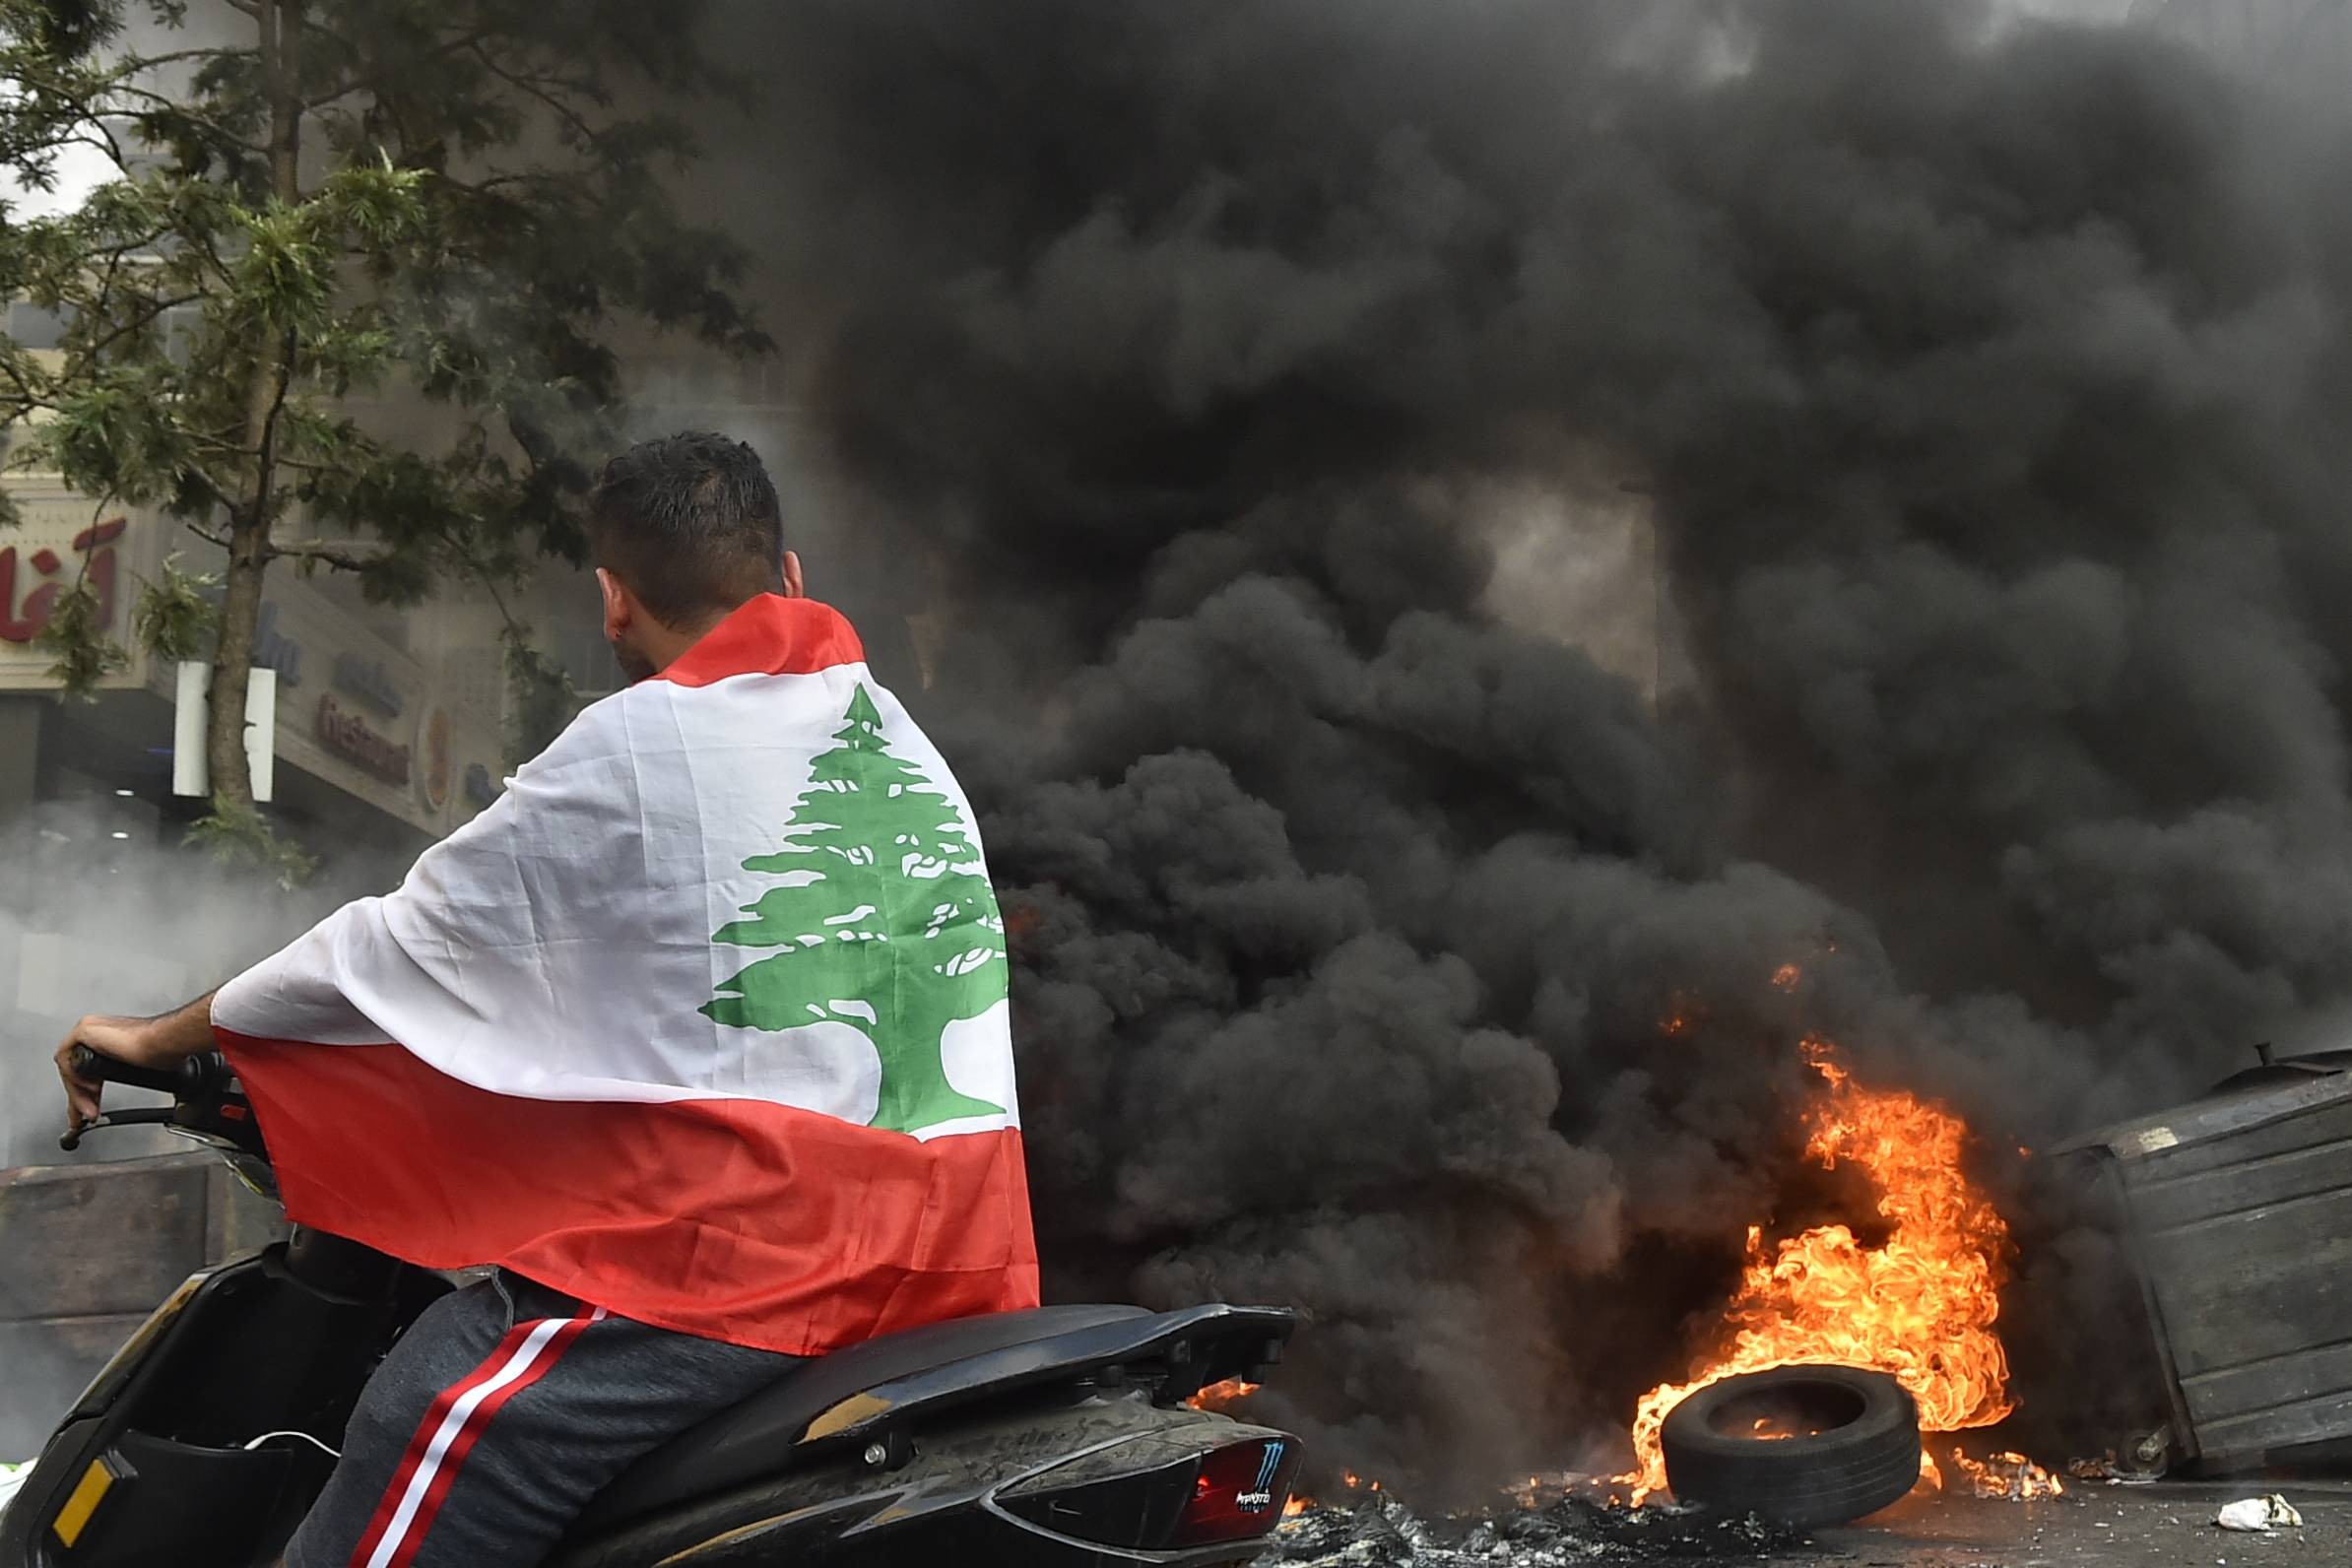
<point x="703" y="1020"/>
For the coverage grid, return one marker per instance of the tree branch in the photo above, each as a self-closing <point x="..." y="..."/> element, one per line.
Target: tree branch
<point x="537" y="88"/>
<point x="369" y="81"/>
<point x="213" y="487"/>
<point x="146" y="62"/>
<point x="91" y="352"/>
<point x="168" y="105"/>
<point x="327" y="555"/>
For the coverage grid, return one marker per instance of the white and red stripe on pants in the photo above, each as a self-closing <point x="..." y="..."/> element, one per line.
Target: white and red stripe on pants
<point x="496" y="1419"/>
<point x="452" y="1425"/>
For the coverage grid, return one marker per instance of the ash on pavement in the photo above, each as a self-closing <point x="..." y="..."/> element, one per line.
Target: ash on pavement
<point x="2094" y="1526"/>
<point x="1384" y="1534"/>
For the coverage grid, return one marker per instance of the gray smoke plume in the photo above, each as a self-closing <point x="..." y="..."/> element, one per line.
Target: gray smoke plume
<point x="1383" y="955"/>
<point x="101" y="912"/>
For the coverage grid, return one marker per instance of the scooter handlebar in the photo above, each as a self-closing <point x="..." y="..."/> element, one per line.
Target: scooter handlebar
<point x="105" y="1070"/>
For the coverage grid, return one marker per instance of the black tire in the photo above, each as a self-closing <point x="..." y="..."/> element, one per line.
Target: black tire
<point x="1857" y="1449"/>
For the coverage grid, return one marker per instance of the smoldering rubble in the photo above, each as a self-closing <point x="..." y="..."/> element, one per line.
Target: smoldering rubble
<point x="1983" y="382"/>
<point x="1383" y="1533"/>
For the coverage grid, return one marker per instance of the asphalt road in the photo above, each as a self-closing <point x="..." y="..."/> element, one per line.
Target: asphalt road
<point x="2091" y="1527"/>
<point x="2094" y="1526"/>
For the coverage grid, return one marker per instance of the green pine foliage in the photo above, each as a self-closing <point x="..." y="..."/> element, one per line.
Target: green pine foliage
<point x="240" y="839"/>
<point x="541" y="699"/>
<point x="308" y="199"/>
<point x="81" y="653"/>
<point x="175" y="615"/>
<point x="883" y="919"/>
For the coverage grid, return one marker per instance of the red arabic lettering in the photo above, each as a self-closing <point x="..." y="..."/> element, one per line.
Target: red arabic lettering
<point x="21" y="624"/>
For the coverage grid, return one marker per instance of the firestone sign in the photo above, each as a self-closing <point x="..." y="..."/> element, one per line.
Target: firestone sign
<point x="379" y="728"/>
<point x="351" y="737"/>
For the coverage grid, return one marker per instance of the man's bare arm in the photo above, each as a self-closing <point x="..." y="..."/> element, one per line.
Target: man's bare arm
<point x="162" y="1041"/>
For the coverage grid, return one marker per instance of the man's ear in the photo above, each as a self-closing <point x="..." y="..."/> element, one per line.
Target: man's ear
<point x="621" y="606"/>
<point x="794" y="588"/>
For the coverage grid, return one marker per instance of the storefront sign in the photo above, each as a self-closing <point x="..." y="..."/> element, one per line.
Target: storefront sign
<point x="392" y="730"/>
<point x="434" y="740"/>
<point x="367" y="721"/>
<point x="369" y="681"/>
<point x="275" y="650"/>
<point x="350" y="735"/>
<point x="32" y="576"/>
<point x="357" y="711"/>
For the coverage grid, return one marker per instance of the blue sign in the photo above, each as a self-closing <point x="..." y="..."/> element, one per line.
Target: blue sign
<point x="478" y="786"/>
<point x="369" y="681"/>
<point x="273" y="650"/>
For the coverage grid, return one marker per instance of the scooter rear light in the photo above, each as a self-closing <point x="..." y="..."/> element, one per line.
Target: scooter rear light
<point x="1238" y="1493"/>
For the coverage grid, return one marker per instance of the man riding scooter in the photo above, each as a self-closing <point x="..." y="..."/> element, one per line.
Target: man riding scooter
<point x="699" y="1035"/>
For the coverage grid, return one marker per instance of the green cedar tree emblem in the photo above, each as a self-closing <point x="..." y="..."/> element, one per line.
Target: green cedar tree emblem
<point x="883" y="921"/>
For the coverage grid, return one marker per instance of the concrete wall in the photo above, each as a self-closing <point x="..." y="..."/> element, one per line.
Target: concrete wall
<point x="90" y="1250"/>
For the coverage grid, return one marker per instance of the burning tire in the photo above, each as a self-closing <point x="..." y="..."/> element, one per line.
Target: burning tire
<point x="1808" y="1445"/>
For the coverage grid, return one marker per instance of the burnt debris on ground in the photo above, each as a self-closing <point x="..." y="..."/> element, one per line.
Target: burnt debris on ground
<point x="1383" y="1533"/>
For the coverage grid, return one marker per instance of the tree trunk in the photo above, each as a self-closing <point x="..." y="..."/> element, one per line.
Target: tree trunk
<point x="250" y="519"/>
<point x="232" y="659"/>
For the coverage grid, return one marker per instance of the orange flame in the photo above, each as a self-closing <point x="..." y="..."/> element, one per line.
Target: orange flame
<point x="1920" y="1305"/>
<point x="2011" y="1475"/>
<point x="1217" y="1396"/>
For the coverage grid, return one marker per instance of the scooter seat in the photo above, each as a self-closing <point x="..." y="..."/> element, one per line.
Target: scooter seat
<point x="747" y="1440"/>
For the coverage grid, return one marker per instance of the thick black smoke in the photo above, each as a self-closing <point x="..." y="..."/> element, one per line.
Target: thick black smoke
<point x="1988" y="388"/>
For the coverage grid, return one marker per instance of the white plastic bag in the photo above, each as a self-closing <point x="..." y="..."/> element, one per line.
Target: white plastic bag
<point x="2258" y="1514"/>
<point x="12" y="1477"/>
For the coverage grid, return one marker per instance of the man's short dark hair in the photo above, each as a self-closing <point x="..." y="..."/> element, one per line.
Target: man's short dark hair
<point x="690" y="523"/>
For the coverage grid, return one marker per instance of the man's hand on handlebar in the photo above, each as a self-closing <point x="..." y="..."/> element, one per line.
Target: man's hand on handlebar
<point x="161" y="1042"/>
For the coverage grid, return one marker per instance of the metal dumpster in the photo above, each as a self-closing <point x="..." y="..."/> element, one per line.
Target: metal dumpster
<point x="2238" y="1209"/>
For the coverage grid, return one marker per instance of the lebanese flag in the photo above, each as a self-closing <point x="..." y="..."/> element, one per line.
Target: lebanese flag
<point x="703" y="1022"/>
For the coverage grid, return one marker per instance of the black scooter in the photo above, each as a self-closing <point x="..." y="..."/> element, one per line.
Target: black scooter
<point x="1045" y="1439"/>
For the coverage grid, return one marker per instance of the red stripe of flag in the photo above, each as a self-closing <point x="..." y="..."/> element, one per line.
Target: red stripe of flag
<point x="562" y="1192"/>
<point x="768" y="635"/>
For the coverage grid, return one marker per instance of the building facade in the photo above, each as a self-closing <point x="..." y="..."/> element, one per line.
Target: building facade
<point x="388" y="728"/>
<point x="389" y="735"/>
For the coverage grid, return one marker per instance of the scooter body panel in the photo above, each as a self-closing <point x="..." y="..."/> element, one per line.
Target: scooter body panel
<point x="1063" y="1478"/>
<point x="884" y="1391"/>
<point x="153" y="1464"/>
